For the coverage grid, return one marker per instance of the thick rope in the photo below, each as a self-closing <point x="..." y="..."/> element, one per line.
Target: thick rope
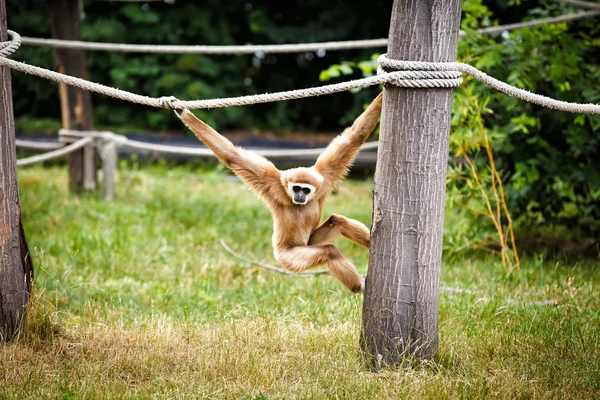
<point x="388" y="64"/>
<point x="9" y="47"/>
<point x="402" y="78"/>
<point x="276" y="48"/>
<point x="411" y="75"/>
<point x="55" y="153"/>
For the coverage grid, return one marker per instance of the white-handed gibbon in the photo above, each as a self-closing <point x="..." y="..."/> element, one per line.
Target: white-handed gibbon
<point x="296" y="196"/>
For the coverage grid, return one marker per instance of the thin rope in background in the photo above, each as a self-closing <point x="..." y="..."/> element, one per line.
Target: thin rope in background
<point x="582" y="4"/>
<point x="276" y="48"/>
<point x="33" y="145"/>
<point x="55" y="153"/>
<point x="123" y="141"/>
<point x="85" y="137"/>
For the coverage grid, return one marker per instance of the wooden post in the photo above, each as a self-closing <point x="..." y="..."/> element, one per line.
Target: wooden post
<point x="109" y="168"/>
<point x="400" y="313"/>
<point x="16" y="268"/>
<point x="75" y="104"/>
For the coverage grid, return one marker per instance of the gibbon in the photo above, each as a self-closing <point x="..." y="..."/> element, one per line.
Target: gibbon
<point x="296" y="196"/>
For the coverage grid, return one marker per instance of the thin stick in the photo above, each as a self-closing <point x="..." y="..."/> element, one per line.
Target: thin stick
<point x="270" y="267"/>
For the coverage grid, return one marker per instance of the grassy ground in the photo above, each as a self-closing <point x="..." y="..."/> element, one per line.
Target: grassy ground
<point x="136" y="299"/>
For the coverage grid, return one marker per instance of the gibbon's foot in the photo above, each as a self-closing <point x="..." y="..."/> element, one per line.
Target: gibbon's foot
<point x="361" y="288"/>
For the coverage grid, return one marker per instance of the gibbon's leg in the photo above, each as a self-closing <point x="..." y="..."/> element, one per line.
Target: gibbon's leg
<point x="340" y="225"/>
<point x="301" y="258"/>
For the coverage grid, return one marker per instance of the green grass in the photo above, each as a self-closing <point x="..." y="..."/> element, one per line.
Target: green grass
<point x="137" y="299"/>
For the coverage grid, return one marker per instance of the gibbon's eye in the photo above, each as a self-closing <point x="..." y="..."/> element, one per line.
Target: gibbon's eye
<point x="306" y="190"/>
<point x="296" y="189"/>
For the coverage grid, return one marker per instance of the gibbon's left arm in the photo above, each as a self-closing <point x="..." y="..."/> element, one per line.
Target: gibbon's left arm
<point x="334" y="162"/>
<point x="259" y="173"/>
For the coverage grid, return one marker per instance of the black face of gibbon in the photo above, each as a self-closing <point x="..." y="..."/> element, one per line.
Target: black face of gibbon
<point x="300" y="194"/>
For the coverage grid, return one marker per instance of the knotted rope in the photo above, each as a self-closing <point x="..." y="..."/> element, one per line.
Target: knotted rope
<point x="9" y="47"/>
<point x="388" y="64"/>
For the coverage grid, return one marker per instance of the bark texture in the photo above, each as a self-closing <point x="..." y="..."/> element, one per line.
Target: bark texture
<point x="75" y="103"/>
<point x="16" y="269"/>
<point x="400" y="314"/>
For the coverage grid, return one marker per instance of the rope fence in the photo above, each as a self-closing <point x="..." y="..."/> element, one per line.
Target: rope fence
<point x="410" y="75"/>
<point x="400" y="78"/>
<point x="124" y="142"/>
<point x="108" y="144"/>
<point x="407" y="74"/>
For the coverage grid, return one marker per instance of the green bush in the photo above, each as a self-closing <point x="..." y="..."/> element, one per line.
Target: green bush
<point x="549" y="157"/>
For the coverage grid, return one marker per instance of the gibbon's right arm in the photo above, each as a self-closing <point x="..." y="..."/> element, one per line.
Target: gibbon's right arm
<point x="334" y="162"/>
<point x="259" y="173"/>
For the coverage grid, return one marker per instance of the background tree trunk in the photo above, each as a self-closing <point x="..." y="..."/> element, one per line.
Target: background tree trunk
<point x="16" y="269"/>
<point x="75" y="104"/>
<point x="401" y="299"/>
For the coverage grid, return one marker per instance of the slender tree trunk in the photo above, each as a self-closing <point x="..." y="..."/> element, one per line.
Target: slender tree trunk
<point x="400" y="315"/>
<point x="16" y="269"/>
<point x="75" y="104"/>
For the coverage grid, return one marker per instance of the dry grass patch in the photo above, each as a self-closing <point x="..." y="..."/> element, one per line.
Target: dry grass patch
<point x="266" y="359"/>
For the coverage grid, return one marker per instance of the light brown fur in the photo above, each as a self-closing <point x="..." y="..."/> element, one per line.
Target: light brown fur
<point x="299" y="242"/>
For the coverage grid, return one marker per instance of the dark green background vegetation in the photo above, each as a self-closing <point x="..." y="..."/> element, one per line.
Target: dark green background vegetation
<point x="548" y="158"/>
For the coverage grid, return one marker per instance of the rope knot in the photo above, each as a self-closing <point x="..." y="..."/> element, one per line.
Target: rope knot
<point x="169" y="102"/>
<point x="419" y="74"/>
<point x="9" y="47"/>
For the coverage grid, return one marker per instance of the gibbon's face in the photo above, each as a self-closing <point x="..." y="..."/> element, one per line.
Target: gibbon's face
<point x="301" y="184"/>
<point x="300" y="193"/>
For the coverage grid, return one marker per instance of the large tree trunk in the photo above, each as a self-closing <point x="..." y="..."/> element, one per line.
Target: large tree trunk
<point x="16" y="269"/>
<point x="75" y="103"/>
<point x="400" y="315"/>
